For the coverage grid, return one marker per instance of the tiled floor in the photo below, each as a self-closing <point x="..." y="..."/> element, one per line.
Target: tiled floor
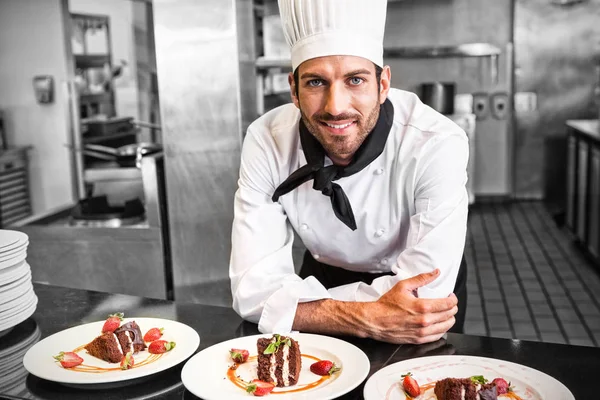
<point x="526" y="278"/>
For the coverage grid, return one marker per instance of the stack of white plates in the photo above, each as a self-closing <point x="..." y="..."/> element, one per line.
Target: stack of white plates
<point x="17" y="299"/>
<point x="13" y="347"/>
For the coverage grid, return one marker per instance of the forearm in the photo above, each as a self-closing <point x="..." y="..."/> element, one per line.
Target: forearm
<point x="333" y="317"/>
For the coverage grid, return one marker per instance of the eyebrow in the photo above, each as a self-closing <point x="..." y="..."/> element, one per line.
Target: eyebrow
<point x="313" y="75"/>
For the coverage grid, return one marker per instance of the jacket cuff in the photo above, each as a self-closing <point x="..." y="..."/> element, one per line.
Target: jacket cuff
<point x="280" y="308"/>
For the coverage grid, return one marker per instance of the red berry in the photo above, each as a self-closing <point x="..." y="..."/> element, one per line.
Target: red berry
<point x="127" y="361"/>
<point x="239" y="355"/>
<point x="411" y="387"/>
<point x="160" y="346"/>
<point x="324" y="367"/>
<point x="68" y="359"/>
<point x="502" y="387"/>
<point x="112" y="323"/>
<point x="153" y="334"/>
<point x="259" y="388"/>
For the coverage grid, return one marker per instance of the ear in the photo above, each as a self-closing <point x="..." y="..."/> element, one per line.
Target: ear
<point x="293" y="89"/>
<point x="384" y="84"/>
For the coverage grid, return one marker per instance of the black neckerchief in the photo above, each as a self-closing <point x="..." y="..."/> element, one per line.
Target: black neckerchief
<point x="323" y="176"/>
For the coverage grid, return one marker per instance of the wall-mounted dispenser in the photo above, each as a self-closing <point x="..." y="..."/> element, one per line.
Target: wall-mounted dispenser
<point x="43" y="86"/>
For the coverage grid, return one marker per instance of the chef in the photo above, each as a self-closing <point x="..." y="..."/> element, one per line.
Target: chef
<point x="371" y="179"/>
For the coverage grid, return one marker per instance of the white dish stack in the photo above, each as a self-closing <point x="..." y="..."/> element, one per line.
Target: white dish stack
<point x="17" y="298"/>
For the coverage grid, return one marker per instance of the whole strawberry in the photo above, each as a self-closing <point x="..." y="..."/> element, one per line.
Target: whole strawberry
<point x="153" y="334"/>
<point x="68" y="359"/>
<point x="411" y="387"/>
<point x="259" y="388"/>
<point x="239" y="356"/>
<point x="324" y="367"/>
<point x="127" y="361"/>
<point x="160" y="346"/>
<point x="502" y="387"/>
<point x="112" y="322"/>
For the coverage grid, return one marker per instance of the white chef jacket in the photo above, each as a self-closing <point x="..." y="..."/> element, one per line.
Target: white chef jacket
<point x="410" y="206"/>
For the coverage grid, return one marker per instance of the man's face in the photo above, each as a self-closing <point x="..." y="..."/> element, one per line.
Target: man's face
<point x="339" y="100"/>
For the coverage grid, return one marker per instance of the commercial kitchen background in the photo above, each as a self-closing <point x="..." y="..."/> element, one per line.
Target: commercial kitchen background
<point x="195" y="73"/>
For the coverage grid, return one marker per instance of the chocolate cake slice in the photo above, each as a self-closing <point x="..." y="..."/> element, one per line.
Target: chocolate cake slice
<point x="106" y="347"/>
<point x="279" y="360"/>
<point x="464" y="389"/>
<point x="130" y="337"/>
<point x="111" y="347"/>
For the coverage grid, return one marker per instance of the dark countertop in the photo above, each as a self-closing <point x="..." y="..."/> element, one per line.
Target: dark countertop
<point x="59" y="308"/>
<point x="589" y="127"/>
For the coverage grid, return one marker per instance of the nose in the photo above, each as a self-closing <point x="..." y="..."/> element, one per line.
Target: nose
<point x="336" y="100"/>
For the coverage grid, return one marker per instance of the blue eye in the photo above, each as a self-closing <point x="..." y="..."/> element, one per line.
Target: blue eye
<point x="314" y="82"/>
<point x="356" y="80"/>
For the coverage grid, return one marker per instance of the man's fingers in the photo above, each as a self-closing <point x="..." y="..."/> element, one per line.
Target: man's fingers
<point x="420" y="280"/>
<point x="435" y="331"/>
<point x="424" y="306"/>
<point x="423" y="321"/>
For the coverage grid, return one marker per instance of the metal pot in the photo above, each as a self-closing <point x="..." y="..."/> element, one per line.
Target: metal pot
<point x="439" y="96"/>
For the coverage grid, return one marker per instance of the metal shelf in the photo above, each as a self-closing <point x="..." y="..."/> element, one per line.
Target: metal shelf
<point x="459" y="51"/>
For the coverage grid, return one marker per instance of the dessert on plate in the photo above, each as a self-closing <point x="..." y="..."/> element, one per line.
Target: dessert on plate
<point x="112" y="346"/>
<point x="279" y="360"/>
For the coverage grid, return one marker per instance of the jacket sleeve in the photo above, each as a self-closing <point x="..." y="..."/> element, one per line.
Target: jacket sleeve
<point x="438" y="227"/>
<point x="264" y="285"/>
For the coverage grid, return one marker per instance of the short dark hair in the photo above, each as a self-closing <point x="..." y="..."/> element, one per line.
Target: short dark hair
<point x="378" y="71"/>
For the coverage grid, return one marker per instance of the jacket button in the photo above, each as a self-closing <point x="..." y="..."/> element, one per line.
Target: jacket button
<point x="384" y="261"/>
<point x="379" y="171"/>
<point x="379" y="232"/>
<point x="316" y="256"/>
<point x="304" y="227"/>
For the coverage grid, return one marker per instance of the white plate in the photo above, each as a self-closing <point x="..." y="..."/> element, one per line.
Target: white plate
<point x="15" y="303"/>
<point x="13" y="261"/>
<point x="205" y="374"/>
<point x="21" y="316"/>
<point x="16" y="291"/>
<point x="528" y="383"/>
<point x="10" y="239"/>
<point x="7" y="287"/>
<point x="13" y="273"/>
<point x="39" y="362"/>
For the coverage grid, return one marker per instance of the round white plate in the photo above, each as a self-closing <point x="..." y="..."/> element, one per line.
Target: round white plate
<point x="15" y="303"/>
<point x="13" y="261"/>
<point x="17" y="290"/>
<point x="7" y="287"/>
<point x="528" y="383"/>
<point x="10" y="239"/>
<point x="39" y="362"/>
<point x="205" y="374"/>
<point x="13" y="273"/>
<point x="21" y="316"/>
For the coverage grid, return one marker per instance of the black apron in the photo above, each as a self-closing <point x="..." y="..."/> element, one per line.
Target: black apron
<point x="330" y="277"/>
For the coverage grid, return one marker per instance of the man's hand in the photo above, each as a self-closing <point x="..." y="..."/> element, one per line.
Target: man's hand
<point x="396" y="317"/>
<point x="400" y="317"/>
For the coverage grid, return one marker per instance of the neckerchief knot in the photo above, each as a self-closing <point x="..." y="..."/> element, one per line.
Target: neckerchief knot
<point x="323" y="177"/>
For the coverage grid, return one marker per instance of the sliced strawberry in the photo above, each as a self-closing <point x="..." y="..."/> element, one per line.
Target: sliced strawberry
<point x="324" y="367"/>
<point x="112" y="322"/>
<point x="153" y="334"/>
<point x="502" y="387"/>
<point x="411" y="387"/>
<point x="127" y="361"/>
<point x="239" y="355"/>
<point x="68" y="359"/>
<point x="160" y="346"/>
<point x="259" y="388"/>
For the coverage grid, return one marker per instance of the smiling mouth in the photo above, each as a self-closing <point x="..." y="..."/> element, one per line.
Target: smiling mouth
<point x="338" y="126"/>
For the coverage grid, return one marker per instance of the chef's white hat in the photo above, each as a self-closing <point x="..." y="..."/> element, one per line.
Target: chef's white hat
<point x="317" y="28"/>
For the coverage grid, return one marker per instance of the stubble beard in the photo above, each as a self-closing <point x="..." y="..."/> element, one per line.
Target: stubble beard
<point x="341" y="147"/>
